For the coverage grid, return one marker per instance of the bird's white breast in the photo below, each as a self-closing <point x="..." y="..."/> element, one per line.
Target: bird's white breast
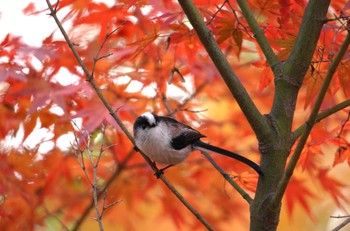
<point x="155" y="143"/>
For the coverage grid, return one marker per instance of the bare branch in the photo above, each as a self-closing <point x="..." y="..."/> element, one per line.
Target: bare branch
<point x="218" y="10"/>
<point x="322" y="115"/>
<point x="346" y="216"/>
<point x="343" y="125"/>
<point x="228" y="178"/>
<point x="105" y="207"/>
<point x="93" y="182"/>
<point x="97" y="56"/>
<point x="342" y="225"/>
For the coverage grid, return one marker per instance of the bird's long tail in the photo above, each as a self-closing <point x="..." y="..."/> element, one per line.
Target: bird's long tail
<point x="207" y="147"/>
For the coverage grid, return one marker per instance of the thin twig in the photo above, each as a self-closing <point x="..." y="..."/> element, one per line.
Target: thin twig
<point x="105" y="207"/>
<point x="238" y="21"/>
<point x="97" y="56"/>
<point x="343" y="125"/>
<point x="338" y="216"/>
<point x="228" y="178"/>
<point x="218" y="10"/>
<point x="64" y="227"/>
<point x="94" y="181"/>
<point x="322" y="115"/>
<point x="342" y="225"/>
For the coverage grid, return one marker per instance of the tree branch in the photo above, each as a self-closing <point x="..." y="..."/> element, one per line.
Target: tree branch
<point x="256" y="120"/>
<point x="322" y="115"/>
<point x="299" y="59"/>
<point x="341" y="225"/>
<point x="259" y="34"/>
<point x="309" y="123"/>
<point x="227" y="177"/>
<point x="118" y="120"/>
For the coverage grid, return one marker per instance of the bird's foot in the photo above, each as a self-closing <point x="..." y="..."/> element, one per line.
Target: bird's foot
<point x="160" y="172"/>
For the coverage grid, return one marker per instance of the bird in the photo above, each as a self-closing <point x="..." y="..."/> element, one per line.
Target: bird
<point x="169" y="142"/>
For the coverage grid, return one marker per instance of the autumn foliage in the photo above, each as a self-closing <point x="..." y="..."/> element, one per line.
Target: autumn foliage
<point x="147" y="56"/>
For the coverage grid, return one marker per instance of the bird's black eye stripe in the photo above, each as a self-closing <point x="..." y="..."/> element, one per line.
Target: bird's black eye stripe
<point x="143" y="123"/>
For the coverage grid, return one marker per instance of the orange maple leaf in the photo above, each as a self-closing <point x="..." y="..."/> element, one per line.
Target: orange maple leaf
<point x="343" y="151"/>
<point x="313" y="80"/>
<point x="334" y="187"/>
<point x="344" y="77"/>
<point x="247" y="180"/>
<point x="297" y="192"/>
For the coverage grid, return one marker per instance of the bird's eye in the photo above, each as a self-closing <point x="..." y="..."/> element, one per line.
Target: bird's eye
<point x="143" y="126"/>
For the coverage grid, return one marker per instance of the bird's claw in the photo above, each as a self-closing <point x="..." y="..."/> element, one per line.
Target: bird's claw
<point x="159" y="172"/>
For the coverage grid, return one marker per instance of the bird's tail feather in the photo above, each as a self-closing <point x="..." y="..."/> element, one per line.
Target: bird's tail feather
<point x="207" y="147"/>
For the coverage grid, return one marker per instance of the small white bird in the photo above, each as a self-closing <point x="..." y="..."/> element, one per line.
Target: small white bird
<point x="167" y="141"/>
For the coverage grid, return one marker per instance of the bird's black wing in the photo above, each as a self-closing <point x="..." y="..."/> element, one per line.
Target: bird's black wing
<point x="183" y="134"/>
<point x="188" y="137"/>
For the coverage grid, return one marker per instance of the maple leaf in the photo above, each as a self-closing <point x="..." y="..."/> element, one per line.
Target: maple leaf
<point x="270" y="8"/>
<point x="155" y="46"/>
<point x="226" y="29"/>
<point x="342" y="154"/>
<point x="266" y="78"/>
<point x="344" y="77"/>
<point x="297" y="192"/>
<point x="343" y="151"/>
<point x="10" y="70"/>
<point x="308" y="158"/>
<point x="313" y="81"/>
<point x="29" y="9"/>
<point x="285" y="46"/>
<point x="169" y="18"/>
<point x="247" y="180"/>
<point x="334" y="187"/>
